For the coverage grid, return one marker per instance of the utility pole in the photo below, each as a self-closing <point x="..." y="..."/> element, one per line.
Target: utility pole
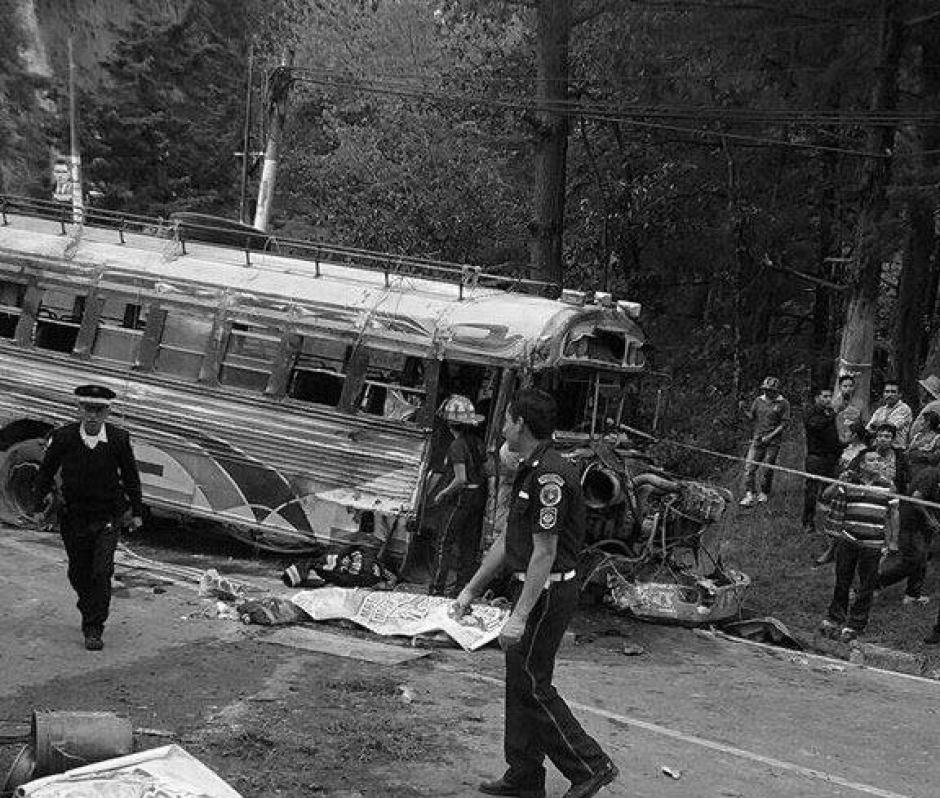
<point x="246" y="138"/>
<point x="277" y="111"/>
<point x="75" y="159"/>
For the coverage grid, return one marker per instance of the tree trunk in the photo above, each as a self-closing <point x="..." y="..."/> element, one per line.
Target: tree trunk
<point x="822" y="296"/>
<point x="918" y="277"/>
<point x="858" y="335"/>
<point x="917" y="292"/>
<point x="551" y="150"/>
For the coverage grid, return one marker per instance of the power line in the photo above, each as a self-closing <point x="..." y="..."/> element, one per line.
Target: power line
<point x="578" y="111"/>
<point x="659" y="111"/>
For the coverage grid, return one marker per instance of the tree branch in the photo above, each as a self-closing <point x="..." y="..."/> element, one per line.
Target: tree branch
<point x="803" y="276"/>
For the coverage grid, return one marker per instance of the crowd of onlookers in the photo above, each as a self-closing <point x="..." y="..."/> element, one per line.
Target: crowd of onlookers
<point x="870" y="485"/>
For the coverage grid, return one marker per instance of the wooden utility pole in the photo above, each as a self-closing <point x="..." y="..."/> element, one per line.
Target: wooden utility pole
<point x="277" y="113"/>
<point x="75" y="158"/>
<point x="551" y="150"/>
<point x="858" y="335"/>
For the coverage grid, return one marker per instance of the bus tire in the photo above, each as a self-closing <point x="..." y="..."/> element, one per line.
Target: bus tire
<point x="19" y="465"/>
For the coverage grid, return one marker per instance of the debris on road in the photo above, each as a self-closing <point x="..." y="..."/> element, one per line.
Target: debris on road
<point x="213" y="584"/>
<point x="169" y="771"/>
<point x="632" y="650"/>
<point x="763" y="630"/>
<point x="406" y="614"/>
<point x="673" y="774"/>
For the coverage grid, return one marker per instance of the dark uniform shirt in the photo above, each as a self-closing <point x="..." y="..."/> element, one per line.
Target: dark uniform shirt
<point x="822" y="435"/>
<point x="467" y="450"/>
<point x="99" y="482"/>
<point x="546" y="497"/>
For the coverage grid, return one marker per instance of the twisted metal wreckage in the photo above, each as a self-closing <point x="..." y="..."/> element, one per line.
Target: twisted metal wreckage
<point x="285" y="390"/>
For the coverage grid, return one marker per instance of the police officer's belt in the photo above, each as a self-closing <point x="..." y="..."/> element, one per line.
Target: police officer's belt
<point x="558" y="576"/>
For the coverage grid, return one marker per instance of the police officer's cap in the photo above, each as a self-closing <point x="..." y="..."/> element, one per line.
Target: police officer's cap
<point x="99" y="395"/>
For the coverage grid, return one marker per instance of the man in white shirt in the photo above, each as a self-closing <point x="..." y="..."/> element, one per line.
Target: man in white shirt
<point x="893" y="410"/>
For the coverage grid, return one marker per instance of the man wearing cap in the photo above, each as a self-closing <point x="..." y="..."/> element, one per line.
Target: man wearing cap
<point x="769" y="414"/>
<point x="931" y="387"/>
<point x="544" y="534"/>
<point x="893" y="410"/>
<point x="100" y="484"/>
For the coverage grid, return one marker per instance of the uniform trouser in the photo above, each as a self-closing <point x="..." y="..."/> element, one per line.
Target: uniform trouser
<point x="757" y="454"/>
<point x="824" y="466"/>
<point x="90" y="545"/>
<point x="458" y="543"/>
<point x="849" y="560"/>
<point x="912" y="562"/>
<point x="538" y="721"/>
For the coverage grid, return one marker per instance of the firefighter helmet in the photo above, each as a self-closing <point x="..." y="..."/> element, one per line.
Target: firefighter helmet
<point x="459" y="409"/>
<point x="770" y="384"/>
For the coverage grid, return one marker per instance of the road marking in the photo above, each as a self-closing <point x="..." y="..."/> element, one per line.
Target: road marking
<point x="655" y="728"/>
<point x="782" y="653"/>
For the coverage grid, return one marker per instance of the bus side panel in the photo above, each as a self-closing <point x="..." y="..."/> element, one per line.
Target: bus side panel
<point x="292" y="471"/>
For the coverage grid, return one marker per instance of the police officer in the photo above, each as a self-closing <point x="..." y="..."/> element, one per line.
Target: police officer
<point x="100" y="483"/>
<point x="544" y="533"/>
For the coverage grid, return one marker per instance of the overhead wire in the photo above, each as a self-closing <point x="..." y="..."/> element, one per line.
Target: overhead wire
<point x="620" y="117"/>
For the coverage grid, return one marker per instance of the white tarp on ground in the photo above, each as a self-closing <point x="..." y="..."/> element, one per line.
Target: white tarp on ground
<point x="406" y="614"/>
<point x="168" y="772"/>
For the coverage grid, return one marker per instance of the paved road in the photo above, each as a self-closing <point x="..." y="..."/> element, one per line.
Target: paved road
<point x="730" y="719"/>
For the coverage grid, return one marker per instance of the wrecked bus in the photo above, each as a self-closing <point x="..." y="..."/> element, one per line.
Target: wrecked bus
<point x="289" y="394"/>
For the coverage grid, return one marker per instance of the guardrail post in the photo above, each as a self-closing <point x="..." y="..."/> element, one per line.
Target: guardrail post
<point x="248" y="250"/>
<point x="121" y="227"/>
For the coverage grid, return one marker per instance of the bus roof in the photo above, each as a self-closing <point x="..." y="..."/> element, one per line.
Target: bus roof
<point x="460" y="321"/>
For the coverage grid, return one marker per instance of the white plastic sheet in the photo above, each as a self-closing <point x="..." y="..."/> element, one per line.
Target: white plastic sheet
<point x="167" y="772"/>
<point x="406" y="614"/>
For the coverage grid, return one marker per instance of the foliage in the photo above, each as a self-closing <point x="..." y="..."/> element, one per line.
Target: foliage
<point x="163" y="134"/>
<point x="714" y="157"/>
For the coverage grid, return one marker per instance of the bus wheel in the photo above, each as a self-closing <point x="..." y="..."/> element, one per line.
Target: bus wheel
<point x="19" y="465"/>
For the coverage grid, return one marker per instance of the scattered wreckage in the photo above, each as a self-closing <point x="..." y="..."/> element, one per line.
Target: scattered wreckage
<point x="646" y="549"/>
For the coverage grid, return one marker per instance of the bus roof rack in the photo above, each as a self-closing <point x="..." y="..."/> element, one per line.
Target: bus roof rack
<point x="217" y="231"/>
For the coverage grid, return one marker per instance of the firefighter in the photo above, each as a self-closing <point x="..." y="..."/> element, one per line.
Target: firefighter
<point x="462" y="497"/>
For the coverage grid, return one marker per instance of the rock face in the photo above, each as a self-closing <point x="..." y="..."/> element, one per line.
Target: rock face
<point x="95" y="27"/>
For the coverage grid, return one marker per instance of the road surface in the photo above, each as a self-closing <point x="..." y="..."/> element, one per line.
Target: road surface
<point x="727" y="718"/>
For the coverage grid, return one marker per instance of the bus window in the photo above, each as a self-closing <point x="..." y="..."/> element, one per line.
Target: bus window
<point x="249" y="354"/>
<point x="576" y="389"/>
<point x="394" y="386"/>
<point x="120" y="330"/>
<point x="318" y="375"/>
<point x="58" y="319"/>
<point x="11" y="305"/>
<point x="183" y="344"/>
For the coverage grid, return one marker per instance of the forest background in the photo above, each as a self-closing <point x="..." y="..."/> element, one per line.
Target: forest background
<point x="761" y="176"/>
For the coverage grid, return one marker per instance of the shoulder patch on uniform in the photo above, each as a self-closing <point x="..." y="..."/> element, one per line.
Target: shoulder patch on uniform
<point x="550" y="494"/>
<point x="548" y="517"/>
<point x="556" y="479"/>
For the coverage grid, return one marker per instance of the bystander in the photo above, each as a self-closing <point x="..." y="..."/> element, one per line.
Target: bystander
<point x="768" y="414"/>
<point x="916" y="524"/>
<point x="892" y="410"/>
<point x="822" y="450"/>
